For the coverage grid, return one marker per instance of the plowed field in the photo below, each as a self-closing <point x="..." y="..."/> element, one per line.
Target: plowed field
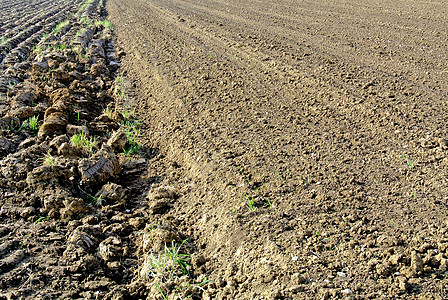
<point x="216" y="149"/>
<point x="307" y="139"/>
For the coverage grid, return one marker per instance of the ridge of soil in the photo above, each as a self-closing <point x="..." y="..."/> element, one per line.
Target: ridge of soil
<point x="308" y="141"/>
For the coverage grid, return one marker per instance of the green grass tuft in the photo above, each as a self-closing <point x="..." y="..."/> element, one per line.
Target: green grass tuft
<point x="81" y="141"/>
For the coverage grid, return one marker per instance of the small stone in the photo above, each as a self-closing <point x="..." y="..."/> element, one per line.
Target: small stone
<point x="74" y="207"/>
<point x="73" y="129"/>
<point x="298" y="278"/>
<point x="402" y="283"/>
<point x="136" y="222"/>
<point x="443" y="143"/>
<point x="10" y="210"/>
<point x="118" y="141"/>
<point x="114" y="265"/>
<point x="65" y="149"/>
<point x="99" y="69"/>
<point x="346" y="292"/>
<point x="416" y="263"/>
<point x="60" y="75"/>
<point x="384" y="269"/>
<point x="103" y="118"/>
<point x="166" y="191"/>
<point x="96" y="285"/>
<point x="6" y="146"/>
<point x="39" y="68"/>
<point x="27" y="143"/>
<point x="395" y="259"/>
<point x="117" y="117"/>
<point x="58" y="140"/>
<point x="112" y="193"/>
<point x="76" y="75"/>
<point x="47" y="173"/>
<point x="156" y="239"/>
<point x="443" y="265"/>
<point x="110" y="248"/>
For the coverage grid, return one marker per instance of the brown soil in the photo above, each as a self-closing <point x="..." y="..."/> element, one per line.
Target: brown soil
<point x="333" y="112"/>
<point x="291" y="150"/>
<point x="70" y="220"/>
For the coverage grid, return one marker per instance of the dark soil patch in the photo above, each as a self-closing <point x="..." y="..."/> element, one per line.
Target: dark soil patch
<point x="308" y="141"/>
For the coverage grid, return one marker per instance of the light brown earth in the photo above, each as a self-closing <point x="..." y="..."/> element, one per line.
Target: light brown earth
<point x="335" y="112"/>
<point x="289" y="150"/>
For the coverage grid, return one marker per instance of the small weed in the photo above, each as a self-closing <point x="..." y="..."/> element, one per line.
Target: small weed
<point x="84" y="5"/>
<point x="37" y="49"/>
<point x="33" y="123"/>
<point x="41" y="219"/>
<point x="58" y="47"/>
<point x="106" y="24"/>
<point x="14" y="128"/>
<point x="120" y="89"/>
<point x="81" y="31"/>
<point x="132" y="149"/>
<point x="80" y="141"/>
<point x="169" y="263"/>
<point x="249" y="202"/>
<point x="128" y="113"/>
<point x="97" y="201"/>
<point x="48" y="159"/>
<point x="151" y="229"/>
<point x="3" y="39"/>
<point x="121" y="93"/>
<point x="132" y="132"/>
<point x="190" y="287"/>
<point x="12" y="85"/>
<point x="108" y="112"/>
<point x="84" y="56"/>
<point x="59" y="26"/>
<point x="119" y="79"/>
<point x="410" y="163"/>
<point x="269" y="203"/>
<point x="106" y="133"/>
<point x="160" y="291"/>
<point x="43" y="78"/>
<point x="86" y="21"/>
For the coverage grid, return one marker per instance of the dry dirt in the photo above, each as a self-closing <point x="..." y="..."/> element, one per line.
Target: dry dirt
<point x="334" y="112"/>
<point x="290" y="150"/>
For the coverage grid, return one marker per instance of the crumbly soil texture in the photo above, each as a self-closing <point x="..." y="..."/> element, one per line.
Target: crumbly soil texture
<point x="223" y="149"/>
<point x="72" y="169"/>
